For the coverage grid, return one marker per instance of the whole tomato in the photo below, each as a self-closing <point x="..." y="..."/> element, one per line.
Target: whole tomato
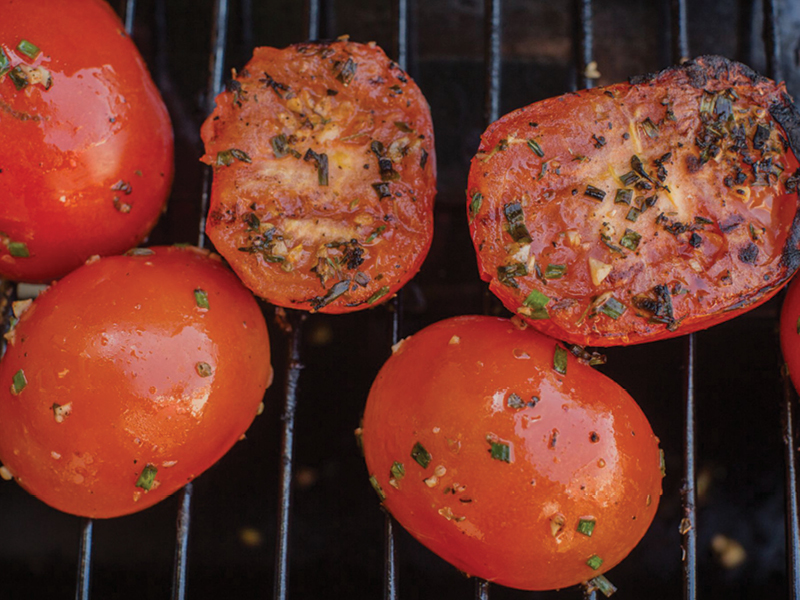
<point x="493" y="446"/>
<point x="86" y="144"/>
<point x="128" y="378"/>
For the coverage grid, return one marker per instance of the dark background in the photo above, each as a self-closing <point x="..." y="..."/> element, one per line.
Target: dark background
<point x="337" y="525"/>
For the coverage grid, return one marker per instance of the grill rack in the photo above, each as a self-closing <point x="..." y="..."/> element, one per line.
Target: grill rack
<point x="318" y="18"/>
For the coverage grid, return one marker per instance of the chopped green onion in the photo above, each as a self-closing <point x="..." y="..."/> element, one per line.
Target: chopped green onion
<point x="397" y="470"/>
<point x="500" y="451"/>
<point x="594" y="561"/>
<point x="516" y="223"/>
<point x="507" y="273"/>
<point x="377" y="487"/>
<point x="537" y="149"/>
<point x="623" y="196"/>
<point x="586" y="526"/>
<point x="322" y="165"/>
<point x="560" y="360"/>
<point x="630" y="239"/>
<point x="650" y="128"/>
<point x="201" y="298"/>
<point x="422" y="456"/>
<point x="707" y="104"/>
<point x="226" y="157"/>
<point x="18" y="249"/>
<point x="633" y="214"/>
<point x="378" y="295"/>
<point x="629" y="178"/>
<point x="19" y="78"/>
<point x="554" y="271"/>
<point x="28" y="49"/>
<point x="203" y="369"/>
<point x="337" y="289"/>
<point x="537" y="302"/>
<point x="603" y="585"/>
<point x="147" y="477"/>
<point x="18" y="382"/>
<point x="612" y="308"/>
<point x="378" y="230"/>
<point x="594" y="192"/>
<point x="475" y="205"/>
<point x="5" y="64"/>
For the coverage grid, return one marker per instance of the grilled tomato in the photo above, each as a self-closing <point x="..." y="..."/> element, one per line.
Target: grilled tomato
<point x="128" y="378"/>
<point x="494" y="447"/>
<point x="324" y="176"/>
<point x="642" y="210"/>
<point x="86" y="145"/>
<point x="790" y="332"/>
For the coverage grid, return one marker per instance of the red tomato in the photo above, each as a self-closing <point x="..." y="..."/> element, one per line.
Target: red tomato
<point x="128" y="378"/>
<point x="324" y="176"/>
<point x="640" y="211"/>
<point x="790" y="331"/>
<point x="498" y="450"/>
<point x="86" y="147"/>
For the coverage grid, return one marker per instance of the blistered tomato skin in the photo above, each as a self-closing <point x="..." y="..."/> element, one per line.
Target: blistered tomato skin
<point x="324" y="176"/>
<point x="640" y="211"/>
<point x="503" y="466"/>
<point x="128" y="378"/>
<point x="86" y="144"/>
<point x="790" y="331"/>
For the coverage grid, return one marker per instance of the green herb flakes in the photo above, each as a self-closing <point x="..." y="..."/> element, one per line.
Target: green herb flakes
<point x="595" y="562"/>
<point x="147" y="477"/>
<point x="536" y="148"/>
<point x="630" y="240"/>
<point x="586" y="526"/>
<point x="377" y="487"/>
<point x="612" y="308"/>
<point x="201" y="298"/>
<point x="226" y="157"/>
<point x="18" y="382"/>
<point x="475" y="205"/>
<point x="554" y="271"/>
<point x="623" y="196"/>
<point x="5" y="65"/>
<point x="397" y="470"/>
<point x="506" y="274"/>
<point x="422" y="456"/>
<point x="500" y="451"/>
<point x="378" y="295"/>
<point x="28" y="49"/>
<point x="536" y="302"/>
<point x="376" y="232"/>
<point x="516" y="223"/>
<point x="560" y="360"/>
<point x="18" y="250"/>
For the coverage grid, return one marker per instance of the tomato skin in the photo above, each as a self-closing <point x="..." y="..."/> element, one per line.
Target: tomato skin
<point x="87" y="163"/>
<point x="718" y="239"/>
<point x="121" y="343"/>
<point x="333" y="238"/>
<point x="584" y="450"/>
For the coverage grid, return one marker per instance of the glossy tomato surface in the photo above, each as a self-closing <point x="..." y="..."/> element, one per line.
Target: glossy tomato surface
<point x="501" y="464"/>
<point x="641" y="210"/>
<point x="128" y="378"/>
<point x="324" y="176"/>
<point x="86" y="145"/>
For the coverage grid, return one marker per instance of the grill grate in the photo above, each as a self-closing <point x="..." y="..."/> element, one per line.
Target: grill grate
<point x="231" y="23"/>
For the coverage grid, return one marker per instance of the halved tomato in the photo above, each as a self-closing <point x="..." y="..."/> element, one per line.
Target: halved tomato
<point x="86" y="145"/>
<point x="493" y="446"/>
<point x="324" y="176"/>
<point x="642" y="210"/>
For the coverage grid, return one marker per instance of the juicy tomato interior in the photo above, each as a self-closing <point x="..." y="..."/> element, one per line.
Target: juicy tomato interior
<point x="638" y="211"/>
<point x="128" y="378"/>
<point x="493" y="446"/>
<point x="86" y="144"/>
<point x="324" y="176"/>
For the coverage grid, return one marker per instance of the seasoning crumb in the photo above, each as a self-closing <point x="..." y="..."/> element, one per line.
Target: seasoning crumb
<point x="5" y="474"/>
<point x="454" y="340"/>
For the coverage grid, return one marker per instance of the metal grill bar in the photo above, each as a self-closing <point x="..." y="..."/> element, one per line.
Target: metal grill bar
<point x="84" y="583"/>
<point x="584" y="43"/>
